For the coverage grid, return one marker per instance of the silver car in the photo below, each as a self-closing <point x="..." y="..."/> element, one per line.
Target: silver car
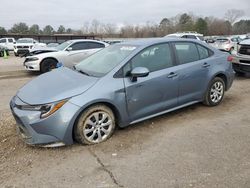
<point x="120" y="85"/>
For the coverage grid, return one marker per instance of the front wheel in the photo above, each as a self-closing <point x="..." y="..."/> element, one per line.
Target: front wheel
<point x="95" y="125"/>
<point x="47" y="65"/>
<point x="215" y="92"/>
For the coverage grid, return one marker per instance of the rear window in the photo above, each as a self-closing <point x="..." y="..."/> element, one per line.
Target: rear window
<point x="186" y="52"/>
<point x="93" y="45"/>
<point x="203" y="52"/>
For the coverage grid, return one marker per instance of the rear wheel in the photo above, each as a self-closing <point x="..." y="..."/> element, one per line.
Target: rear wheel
<point x="95" y="125"/>
<point x="47" y="65"/>
<point x="215" y="92"/>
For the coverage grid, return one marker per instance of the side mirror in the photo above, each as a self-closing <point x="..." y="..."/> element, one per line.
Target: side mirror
<point x="138" y="72"/>
<point x="69" y="49"/>
<point x="14" y="42"/>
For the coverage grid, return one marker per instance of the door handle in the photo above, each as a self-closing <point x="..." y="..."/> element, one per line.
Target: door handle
<point x="172" y="74"/>
<point x="205" y="65"/>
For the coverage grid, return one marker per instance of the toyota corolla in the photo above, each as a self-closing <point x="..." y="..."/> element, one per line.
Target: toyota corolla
<point x="120" y="85"/>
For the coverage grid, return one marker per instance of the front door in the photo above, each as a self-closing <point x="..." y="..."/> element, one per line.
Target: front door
<point x="156" y="92"/>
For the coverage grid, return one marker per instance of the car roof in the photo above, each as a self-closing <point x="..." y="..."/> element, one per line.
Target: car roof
<point x="151" y="41"/>
<point x="85" y="40"/>
<point x="184" y="33"/>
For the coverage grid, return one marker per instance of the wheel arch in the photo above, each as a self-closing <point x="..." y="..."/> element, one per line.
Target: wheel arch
<point x="106" y="103"/>
<point x="223" y="77"/>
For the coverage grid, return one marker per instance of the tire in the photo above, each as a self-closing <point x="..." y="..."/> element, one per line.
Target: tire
<point x="88" y="131"/>
<point x="47" y="65"/>
<point x="215" y="92"/>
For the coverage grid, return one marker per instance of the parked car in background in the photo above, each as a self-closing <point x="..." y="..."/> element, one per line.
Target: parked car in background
<point x="24" y="45"/>
<point x="120" y="85"/>
<point x="188" y="35"/>
<point x="8" y="43"/>
<point x="68" y="53"/>
<point x="2" y="49"/>
<point x="228" y="44"/>
<point x="241" y="60"/>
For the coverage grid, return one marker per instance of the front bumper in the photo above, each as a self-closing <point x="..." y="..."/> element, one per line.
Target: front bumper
<point x="241" y="63"/>
<point x="32" y="65"/>
<point x="55" y="130"/>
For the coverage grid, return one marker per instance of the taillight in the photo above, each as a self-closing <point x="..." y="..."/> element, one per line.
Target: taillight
<point x="230" y="58"/>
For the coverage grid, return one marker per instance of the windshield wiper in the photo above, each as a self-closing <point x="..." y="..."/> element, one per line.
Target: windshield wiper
<point x="83" y="72"/>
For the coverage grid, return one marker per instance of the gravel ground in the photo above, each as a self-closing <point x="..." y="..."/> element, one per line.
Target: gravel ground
<point x="196" y="146"/>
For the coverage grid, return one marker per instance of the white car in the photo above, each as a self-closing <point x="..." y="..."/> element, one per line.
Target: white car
<point x="68" y="54"/>
<point x="228" y="44"/>
<point x="188" y="34"/>
<point x="24" y="45"/>
<point x="8" y="43"/>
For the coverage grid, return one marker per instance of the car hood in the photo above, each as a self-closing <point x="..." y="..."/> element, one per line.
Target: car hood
<point x="43" y="48"/>
<point x="245" y="42"/>
<point x="49" y="54"/>
<point x="54" y="86"/>
<point x="24" y="44"/>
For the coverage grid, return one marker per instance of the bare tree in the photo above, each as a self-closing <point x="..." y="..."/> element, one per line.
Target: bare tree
<point x="233" y="15"/>
<point x="96" y="27"/>
<point x="85" y="28"/>
<point x="109" y="29"/>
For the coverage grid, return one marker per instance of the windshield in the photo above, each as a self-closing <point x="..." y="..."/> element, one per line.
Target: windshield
<point x="105" y="60"/>
<point x="63" y="45"/>
<point x="24" y="41"/>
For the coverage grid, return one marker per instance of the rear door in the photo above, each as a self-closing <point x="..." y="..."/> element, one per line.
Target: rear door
<point x="193" y="70"/>
<point x="156" y="92"/>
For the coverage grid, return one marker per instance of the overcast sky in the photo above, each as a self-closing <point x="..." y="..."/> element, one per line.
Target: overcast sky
<point x="73" y="13"/>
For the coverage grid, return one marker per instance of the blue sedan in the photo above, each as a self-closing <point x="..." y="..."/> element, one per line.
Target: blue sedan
<point x="120" y="85"/>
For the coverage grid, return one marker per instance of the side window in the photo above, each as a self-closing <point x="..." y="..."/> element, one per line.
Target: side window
<point x="93" y="45"/>
<point x="79" y="46"/>
<point x="184" y="36"/>
<point x="3" y="41"/>
<point x="154" y="58"/>
<point x="186" y="52"/>
<point x="204" y="53"/>
<point x="10" y="40"/>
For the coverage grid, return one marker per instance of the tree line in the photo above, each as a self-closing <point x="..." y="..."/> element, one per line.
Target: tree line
<point x="228" y="25"/>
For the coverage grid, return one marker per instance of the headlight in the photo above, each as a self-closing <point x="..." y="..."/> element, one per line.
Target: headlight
<point x="46" y="109"/>
<point x="31" y="59"/>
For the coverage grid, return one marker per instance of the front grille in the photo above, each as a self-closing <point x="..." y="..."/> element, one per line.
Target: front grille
<point x="22" y="47"/>
<point x="245" y="61"/>
<point x="22" y="51"/>
<point x="245" y="50"/>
